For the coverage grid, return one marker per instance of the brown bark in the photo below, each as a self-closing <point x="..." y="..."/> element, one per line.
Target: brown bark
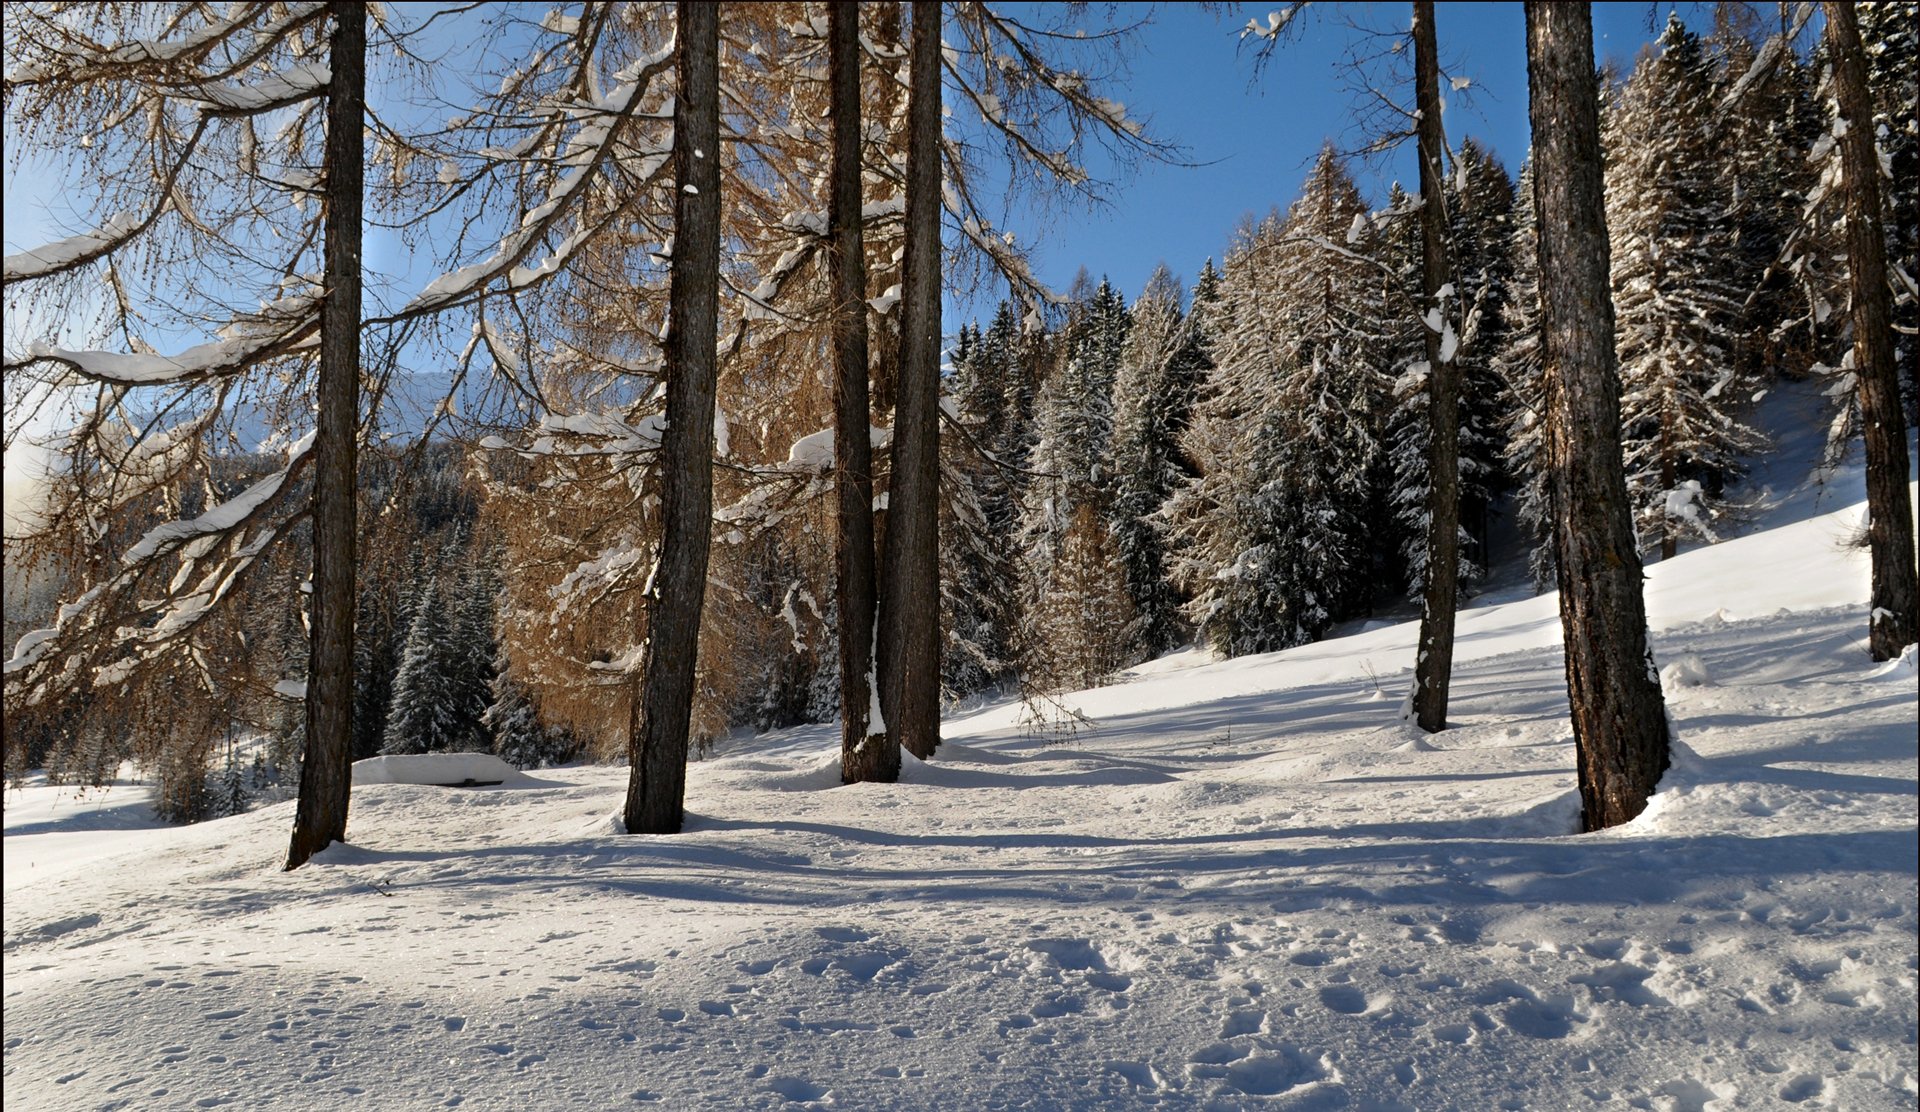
<point x="326" y="770"/>
<point x="1894" y="621"/>
<point x="910" y="586"/>
<point x="657" y="742"/>
<point x="1433" y="668"/>
<point x="1613" y="691"/>
<point x="864" y="755"/>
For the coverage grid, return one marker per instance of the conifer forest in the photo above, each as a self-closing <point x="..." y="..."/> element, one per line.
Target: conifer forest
<point x="593" y="542"/>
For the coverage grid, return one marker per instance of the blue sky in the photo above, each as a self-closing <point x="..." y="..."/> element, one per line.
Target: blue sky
<point x="1258" y="137"/>
<point x="1187" y="76"/>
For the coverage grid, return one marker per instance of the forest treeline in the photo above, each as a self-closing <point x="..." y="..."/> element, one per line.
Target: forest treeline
<point x="1242" y="461"/>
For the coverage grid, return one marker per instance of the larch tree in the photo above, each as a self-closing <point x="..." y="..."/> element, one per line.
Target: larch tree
<point x="867" y="750"/>
<point x="203" y="126"/>
<point x="1894" y="622"/>
<point x="1433" y="662"/>
<point x="909" y="625"/>
<point x="658" y="745"/>
<point x="1613" y="690"/>
<point x="326" y="773"/>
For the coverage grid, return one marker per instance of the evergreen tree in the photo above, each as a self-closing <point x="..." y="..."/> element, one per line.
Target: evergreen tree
<point x="424" y="715"/>
<point x="1161" y="369"/>
<point x="1765" y="177"/>
<point x="1523" y="379"/>
<point x="1676" y="301"/>
<point x="979" y="583"/>
<point x="1332" y="398"/>
<point x="1890" y="32"/>
<point x="1073" y="430"/>
<point x="1274" y="536"/>
<point x="512" y="721"/>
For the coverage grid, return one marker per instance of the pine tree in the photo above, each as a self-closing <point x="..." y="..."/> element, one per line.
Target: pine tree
<point x="1523" y="379"/>
<point x="1272" y="539"/>
<point x="982" y="479"/>
<point x="474" y="651"/>
<point x="1332" y="395"/>
<point x="1073" y="431"/>
<point x="1765" y="177"/>
<point x="1890" y="34"/>
<point x="1480" y="205"/>
<point x="1676" y="303"/>
<point x="1162" y="366"/>
<point x="424" y="715"/>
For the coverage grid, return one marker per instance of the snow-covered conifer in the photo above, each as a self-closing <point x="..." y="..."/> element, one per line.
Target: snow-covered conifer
<point x="1675" y="301"/>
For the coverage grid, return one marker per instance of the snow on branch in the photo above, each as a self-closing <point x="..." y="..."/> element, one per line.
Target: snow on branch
<point x="590" y="149"/>
<point x="280" y="328"/>
<point x="55" y="660"/>
<point x="1767" y="59"/>
<point x="65" y="254"/>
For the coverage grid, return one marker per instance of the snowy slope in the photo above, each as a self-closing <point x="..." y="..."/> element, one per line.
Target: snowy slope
<point x="1239" y="885"/>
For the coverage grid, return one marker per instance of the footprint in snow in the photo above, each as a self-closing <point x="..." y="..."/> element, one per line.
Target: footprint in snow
<point x="798" y="1090"/>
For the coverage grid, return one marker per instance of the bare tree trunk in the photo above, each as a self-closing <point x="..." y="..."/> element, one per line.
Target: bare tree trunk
<point x="1895" y="620"/>
<point x="657" y="745"/>
<point x="1433" y="668"/>
<point x="910" y="588"/>
<point x="326" y="770"/>
<point x="867" y="751"/>
<point x="1619" y="716"/>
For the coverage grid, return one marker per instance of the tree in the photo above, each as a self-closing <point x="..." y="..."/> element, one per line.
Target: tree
<point x="909" y="631"/>
<point x="867" y="750"/>
<point x="326" y="774"/>
<point x="1674" y="293"/>
<point x="1895" y="618"/>
<point x="1161" y="369"/>
<point x="1613" y="689"/>
<point x="1433" y="665"/>
<point x="1524" y="379"/>
<point x="1890" y="35"/>
<point x="658" y="733"/>
<point x="424" y="714"/>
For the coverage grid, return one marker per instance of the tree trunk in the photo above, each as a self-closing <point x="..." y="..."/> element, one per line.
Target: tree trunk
<point x="867" y="751"/>
<point x="1433" y="668"/>
<point x="657" y="742"/>
<point x="1619" y="716"/>
<point x="1895" y="618"/>
<point x="910" y="590"/>
<point x="326" y="770"/>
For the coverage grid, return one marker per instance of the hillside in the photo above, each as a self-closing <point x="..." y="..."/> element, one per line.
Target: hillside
<point x="1241" y="884"/>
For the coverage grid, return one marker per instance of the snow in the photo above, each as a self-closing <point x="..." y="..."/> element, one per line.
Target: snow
<point x="270" y="91"/>
<point x="1239" y="884"/>
<point x="287" y="325"/>
<point x="60" y="254"/>
<point x="434" y="769"/>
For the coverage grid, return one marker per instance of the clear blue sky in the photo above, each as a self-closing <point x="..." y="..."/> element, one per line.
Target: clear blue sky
<point x="1258" y="137"/>
<point x="1189" y="78"/>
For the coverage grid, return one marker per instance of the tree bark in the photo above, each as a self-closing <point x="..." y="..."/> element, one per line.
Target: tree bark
<point x="910" y="589"/>
<point x="1894" y="621"/>
<point x="1433" y="668"/>
<point x="867" y="751"/>
<point x="326" y="770"/>
<point x="1613" y="690"/>
<point x="657" y="741"/>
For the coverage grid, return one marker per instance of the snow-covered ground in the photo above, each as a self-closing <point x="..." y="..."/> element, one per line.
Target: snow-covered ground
<point x="1234" y="884"/>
